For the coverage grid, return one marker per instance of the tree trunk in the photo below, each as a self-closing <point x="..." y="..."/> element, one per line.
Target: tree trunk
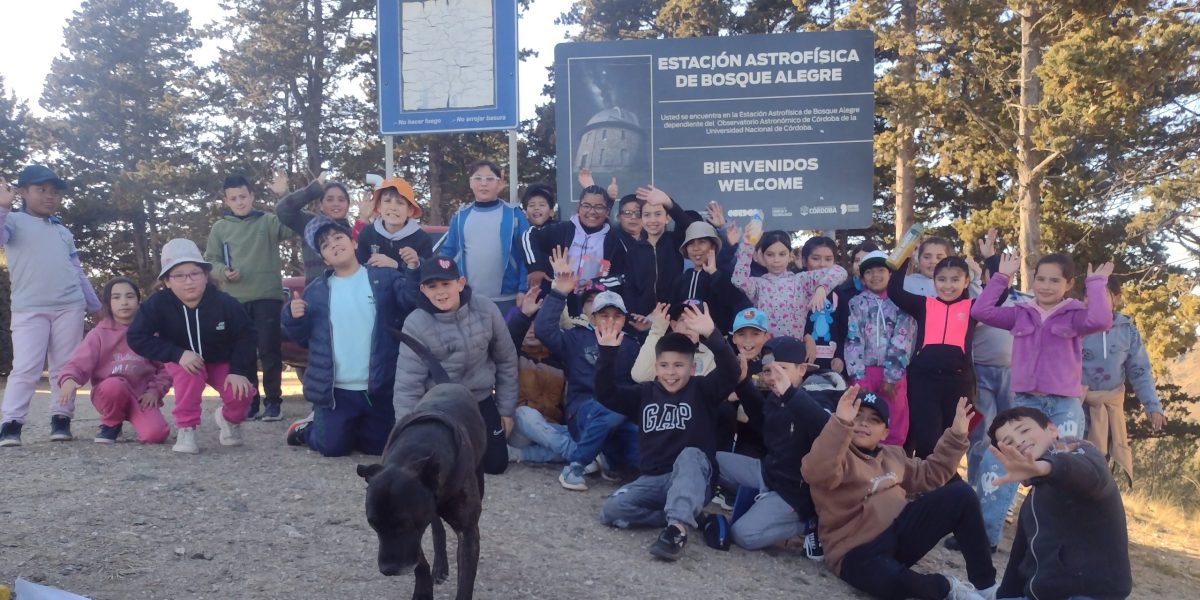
<point x="437" y="204"/>
<point x="315" y="92"/>
<point x="906" y="184"/>
<point x="1029" y="176"/>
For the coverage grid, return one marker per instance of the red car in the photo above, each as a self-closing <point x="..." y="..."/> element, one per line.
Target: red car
<point x="295" y="356"/>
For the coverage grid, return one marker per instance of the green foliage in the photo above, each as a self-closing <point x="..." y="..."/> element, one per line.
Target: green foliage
<point x="14" y="122"/>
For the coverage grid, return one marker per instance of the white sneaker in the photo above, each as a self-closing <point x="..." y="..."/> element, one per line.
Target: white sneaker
<point x="185" y="441"/>
<point x="961" y="590"/>
<point x="231" y="433"/>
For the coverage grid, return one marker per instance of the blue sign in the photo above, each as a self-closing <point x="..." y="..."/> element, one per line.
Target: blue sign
<point x="778" y="123"/>
<point x="447" y="65"/>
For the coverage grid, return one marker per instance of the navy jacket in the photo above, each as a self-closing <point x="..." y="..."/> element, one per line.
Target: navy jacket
<point x="789" y="425"/>
<point x="578" y="350"/>
<point x="394" y="293"/>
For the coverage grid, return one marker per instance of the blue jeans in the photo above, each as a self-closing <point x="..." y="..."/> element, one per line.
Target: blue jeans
<point x="1066" y="414"/>
<point x="595" y="428"/>
<point x="993" y="394"/>
<point x="547" y="442"/>
<point x="591" y="425"/>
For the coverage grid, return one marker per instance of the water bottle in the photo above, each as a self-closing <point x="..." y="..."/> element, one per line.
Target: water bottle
<point x="754" y="230"/>
<point x="905" y="246"/>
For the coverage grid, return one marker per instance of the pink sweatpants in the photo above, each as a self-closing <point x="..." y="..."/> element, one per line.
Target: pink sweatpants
<point x="36" y="337"/>
<point x="897" y="407"/>
<point x="189" y="389"/>
<point x="116" y="403"/>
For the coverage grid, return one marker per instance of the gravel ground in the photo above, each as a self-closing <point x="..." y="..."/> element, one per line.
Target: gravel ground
<point x="270" y="521"/>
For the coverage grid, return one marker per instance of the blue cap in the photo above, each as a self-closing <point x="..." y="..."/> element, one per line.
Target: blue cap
<point x="35" y="174"/>
<point x="751" y="317"/>
<point x="314" y="227"/>
<point x="786" y="349"/>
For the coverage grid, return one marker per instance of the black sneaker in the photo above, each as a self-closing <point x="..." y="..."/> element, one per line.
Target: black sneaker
<point x="252" y="412"/>
<point x="60" y="429"/>
<point x="297" y="433"/>
<point x="813" y="550"/>
<point x="107" y="435"/>
<point x="272" y="411"/>
<point x="670" y="543"/>
<point x="951" y="543"/>
<point x="10" y="434"/>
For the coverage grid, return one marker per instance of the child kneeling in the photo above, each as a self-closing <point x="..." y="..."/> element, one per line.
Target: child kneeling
<point x="355" y="309"/>
<point x="1072" y="518"/>
<point x="676" y="415"/>
<point x="125" y="386"/>
<point x="213" y="344"/>
<point x="872" y="535"/>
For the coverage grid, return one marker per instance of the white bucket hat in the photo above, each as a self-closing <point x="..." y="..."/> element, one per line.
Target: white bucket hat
<point x="179" y="251"/>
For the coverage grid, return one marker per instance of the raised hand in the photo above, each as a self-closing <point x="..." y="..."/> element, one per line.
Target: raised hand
<point x="585" y="178"/>
<point x="1019" y="467"/>
<point x="298" y="306"/>
<point x="714" y="214"/>
<point x="710" y="262"/>
<point x="279" y="183"/>
<point x="1105" y="269"/>
<point x="847" y="407"/>
<point x="609" y="334"/>
<point x="564" y="275"/>
<point x="7" y="195"/>
<point x="1010" y="263"/>
<point x="613" y="190"/>
<point x="962" y="417"/>
<point x="733" y="235"/>
<point x="987" y="245"/>
<point x="780" y="382"/>
<point x="699" y="321"/>
<point x="973" y="267"/>
<point x="529" y="302"/>
<point x="366" y="207"/>
<point x="639" y="322"/>
<point x="191" y="362"/>
<point x="653" y="195"/>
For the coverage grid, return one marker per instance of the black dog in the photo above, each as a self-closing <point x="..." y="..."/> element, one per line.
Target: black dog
<point x="432" y="470"/>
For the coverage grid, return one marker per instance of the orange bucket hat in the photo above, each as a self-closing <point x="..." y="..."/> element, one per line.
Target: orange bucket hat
<point x="403" y="188"/>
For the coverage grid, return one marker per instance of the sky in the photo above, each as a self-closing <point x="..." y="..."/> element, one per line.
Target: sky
<point x="40" y="35"/>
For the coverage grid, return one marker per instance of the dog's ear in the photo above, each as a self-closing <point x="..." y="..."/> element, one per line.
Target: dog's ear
<point x="368" y="471"/>
<point x="426" y="470"/>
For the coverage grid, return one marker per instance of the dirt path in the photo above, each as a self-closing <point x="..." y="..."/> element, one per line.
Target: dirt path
<point x="270" y="521"/>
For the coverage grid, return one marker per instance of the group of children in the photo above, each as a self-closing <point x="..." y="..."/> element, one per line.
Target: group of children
<point x="821" y="406"/>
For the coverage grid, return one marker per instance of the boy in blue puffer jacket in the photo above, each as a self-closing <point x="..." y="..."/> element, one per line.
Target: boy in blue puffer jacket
<point x="351" y="390"/>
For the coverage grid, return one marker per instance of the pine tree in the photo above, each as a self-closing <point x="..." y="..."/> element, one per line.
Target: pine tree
<point x="120" y="131"/>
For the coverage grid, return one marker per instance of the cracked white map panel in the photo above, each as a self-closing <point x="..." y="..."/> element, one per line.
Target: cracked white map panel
<point x="447" y="54"/>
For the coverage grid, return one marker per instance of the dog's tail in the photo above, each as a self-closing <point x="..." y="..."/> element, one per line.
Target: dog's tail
<point x="431" y="362"/>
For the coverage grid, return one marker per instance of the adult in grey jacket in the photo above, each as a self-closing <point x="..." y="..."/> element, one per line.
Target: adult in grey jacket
<point x="467" y="335"/>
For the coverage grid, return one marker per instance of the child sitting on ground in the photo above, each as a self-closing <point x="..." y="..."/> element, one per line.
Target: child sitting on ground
<point x="872" y="535"/>
<point x="125" y="386"/>
<point x="215" y="346"/>
<point x="677" y="416"/>
<point x="350" y="389"/>
<point x="1071" y="537"/>
<point x="790" y="420"/>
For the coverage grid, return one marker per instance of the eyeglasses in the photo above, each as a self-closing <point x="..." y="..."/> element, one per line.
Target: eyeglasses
<point x="484" y="179"/>
<point x="595" y="208"/>
<point x="632" y="214"/>
<point x="193" y="276"/>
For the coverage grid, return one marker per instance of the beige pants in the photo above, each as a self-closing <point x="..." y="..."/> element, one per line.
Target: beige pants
<point x="1106" y="427"/>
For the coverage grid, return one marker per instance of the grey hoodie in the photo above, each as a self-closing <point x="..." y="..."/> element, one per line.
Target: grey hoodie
<point x="1110" y="357"/>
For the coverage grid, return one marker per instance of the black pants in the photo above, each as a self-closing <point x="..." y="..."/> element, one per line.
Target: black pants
<point x="265" y="315"/>
<point x="881" y="567"/>
<point x="932" y="399"/>
<point x="495" y="458"/>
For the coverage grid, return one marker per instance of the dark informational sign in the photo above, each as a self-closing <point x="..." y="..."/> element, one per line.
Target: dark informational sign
<point x="780" y="123"/>
<point x="447" y="65"/>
